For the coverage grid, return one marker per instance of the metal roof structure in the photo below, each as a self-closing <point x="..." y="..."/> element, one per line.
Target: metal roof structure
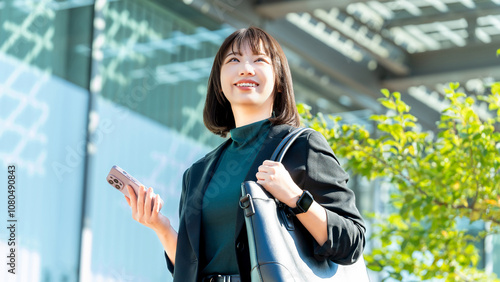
<point x="342" y="52"/>
<point x="355" y="48"/>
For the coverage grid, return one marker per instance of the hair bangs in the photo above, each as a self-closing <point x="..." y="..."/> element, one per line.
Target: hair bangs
<point x="253" y="38"/>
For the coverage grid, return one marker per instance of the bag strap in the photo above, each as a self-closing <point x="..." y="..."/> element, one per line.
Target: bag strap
<point x="283" y="146"/>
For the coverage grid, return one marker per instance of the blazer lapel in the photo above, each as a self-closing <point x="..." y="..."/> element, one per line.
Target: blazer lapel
<point x="276" y="134"/>
<point x="201" y="174"/>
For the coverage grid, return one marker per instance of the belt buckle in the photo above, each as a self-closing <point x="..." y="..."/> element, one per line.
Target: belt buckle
<point x="220" y="278"/>
<point x="216" y="278"/>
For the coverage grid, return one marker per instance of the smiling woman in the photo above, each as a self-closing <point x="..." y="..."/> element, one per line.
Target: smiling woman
<point x="250" y="96"/>
<point x="249" y="56"/>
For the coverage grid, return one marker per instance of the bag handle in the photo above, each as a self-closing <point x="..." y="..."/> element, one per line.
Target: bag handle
<point x="285" y="144"/>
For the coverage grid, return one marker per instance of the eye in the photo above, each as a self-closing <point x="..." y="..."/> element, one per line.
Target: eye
<point x="261" y="59"/>
<point x="234" y="59"/>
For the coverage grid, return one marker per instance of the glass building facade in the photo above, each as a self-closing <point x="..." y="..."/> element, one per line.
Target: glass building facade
<point x="85" y="85"/>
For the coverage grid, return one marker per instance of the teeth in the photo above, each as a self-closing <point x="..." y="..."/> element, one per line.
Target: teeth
<point x="246" y="84"/>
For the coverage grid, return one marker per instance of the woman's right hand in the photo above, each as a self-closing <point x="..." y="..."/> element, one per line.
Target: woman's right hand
<point x="146" y="209"/>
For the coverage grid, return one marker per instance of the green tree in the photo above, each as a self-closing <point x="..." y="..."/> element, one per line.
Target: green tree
<point x="440" y="181"/>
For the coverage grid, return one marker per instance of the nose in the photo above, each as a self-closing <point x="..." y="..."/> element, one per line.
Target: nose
<point x="247" y="69"/>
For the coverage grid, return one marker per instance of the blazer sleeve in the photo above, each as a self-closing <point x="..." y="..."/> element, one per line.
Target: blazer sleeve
<point x="185" y="183"/>
<point x="326" y="180"/>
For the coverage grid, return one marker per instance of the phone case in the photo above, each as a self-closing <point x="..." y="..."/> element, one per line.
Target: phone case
<point x="119" y="179"/>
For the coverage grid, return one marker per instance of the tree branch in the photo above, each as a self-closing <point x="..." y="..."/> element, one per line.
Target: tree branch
<point x="434" y="200"/>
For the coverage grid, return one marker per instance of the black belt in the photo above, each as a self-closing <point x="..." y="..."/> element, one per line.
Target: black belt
<point x="221" y="278"/>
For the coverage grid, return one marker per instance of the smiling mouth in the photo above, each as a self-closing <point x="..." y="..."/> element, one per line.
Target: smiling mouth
<point x="246" y="84"/>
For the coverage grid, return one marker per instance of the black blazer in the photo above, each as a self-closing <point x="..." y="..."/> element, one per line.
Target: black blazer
<point x="312" y="165"/>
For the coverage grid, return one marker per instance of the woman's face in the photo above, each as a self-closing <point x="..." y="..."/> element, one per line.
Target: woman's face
<point x="247" y="79"/>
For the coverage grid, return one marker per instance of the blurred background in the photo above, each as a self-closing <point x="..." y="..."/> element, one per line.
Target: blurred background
<point x="85" y="85"/>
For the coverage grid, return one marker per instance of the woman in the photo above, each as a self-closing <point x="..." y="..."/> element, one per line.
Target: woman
<point x="250" y="96"/>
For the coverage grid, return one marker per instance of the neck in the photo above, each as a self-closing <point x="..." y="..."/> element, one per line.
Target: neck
<point x="244" y="116"/>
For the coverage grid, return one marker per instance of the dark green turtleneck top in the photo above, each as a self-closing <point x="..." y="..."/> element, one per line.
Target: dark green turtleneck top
<point x="220" y="201"/>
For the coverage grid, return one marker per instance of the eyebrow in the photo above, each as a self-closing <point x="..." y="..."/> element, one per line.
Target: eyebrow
<point x="239" y="54"/>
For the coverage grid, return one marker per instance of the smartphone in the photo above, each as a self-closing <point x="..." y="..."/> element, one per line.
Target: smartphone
<point x="119" y="179"/>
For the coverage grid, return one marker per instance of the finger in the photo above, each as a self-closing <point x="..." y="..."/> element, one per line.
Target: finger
<point x="147" y="201"/>
<point x="133" y="198"/>
<point x="269" y="169"/>
<point x="261" y="182"/>
<point x="264" y="177"/>
<point x="260" y="175"/>
<point x="156" y="207"/>
<point x="262" y="168"/>
<point x="140" y="200"/>
<point x="270" y="163"/>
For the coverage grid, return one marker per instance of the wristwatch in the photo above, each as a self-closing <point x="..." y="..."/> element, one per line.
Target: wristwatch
<point x="303" y="203"/>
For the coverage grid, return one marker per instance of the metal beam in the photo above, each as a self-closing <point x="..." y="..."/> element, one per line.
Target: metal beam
<point x="396" y="64"/>
<point x="330" y="90"/>
<point x="238" y="13"/>
<point x="443" y="17"/>
<point x="449" y="65"/>
<point x="279" y="9"/>
<point x="459" y="58"/>
<point x="324" y="58"/>
<point x="431" y="80"/>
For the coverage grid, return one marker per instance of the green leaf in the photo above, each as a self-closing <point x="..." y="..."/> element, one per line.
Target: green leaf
<point x="303" y="108"/>
<point x="470" y="249"/>
<point x="417" y="213"/>
<point x="409" y="117"/>
<point x="385" y="92"/>
<point x="388" y="104"/>
<point x="469" y="101"/>
<point x="392" y="143"/>
<point x="375" y="267"/>
<point x="403" y="108"/>
<point x="379" y="118"/>
<point x="410" y="124"/>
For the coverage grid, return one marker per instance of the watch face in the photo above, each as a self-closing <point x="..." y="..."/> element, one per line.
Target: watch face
<point x="305" y="201"/>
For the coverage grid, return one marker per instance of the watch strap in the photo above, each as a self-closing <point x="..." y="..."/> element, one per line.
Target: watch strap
<point x="297" y="210"/>
<point x="303" y="203"/>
